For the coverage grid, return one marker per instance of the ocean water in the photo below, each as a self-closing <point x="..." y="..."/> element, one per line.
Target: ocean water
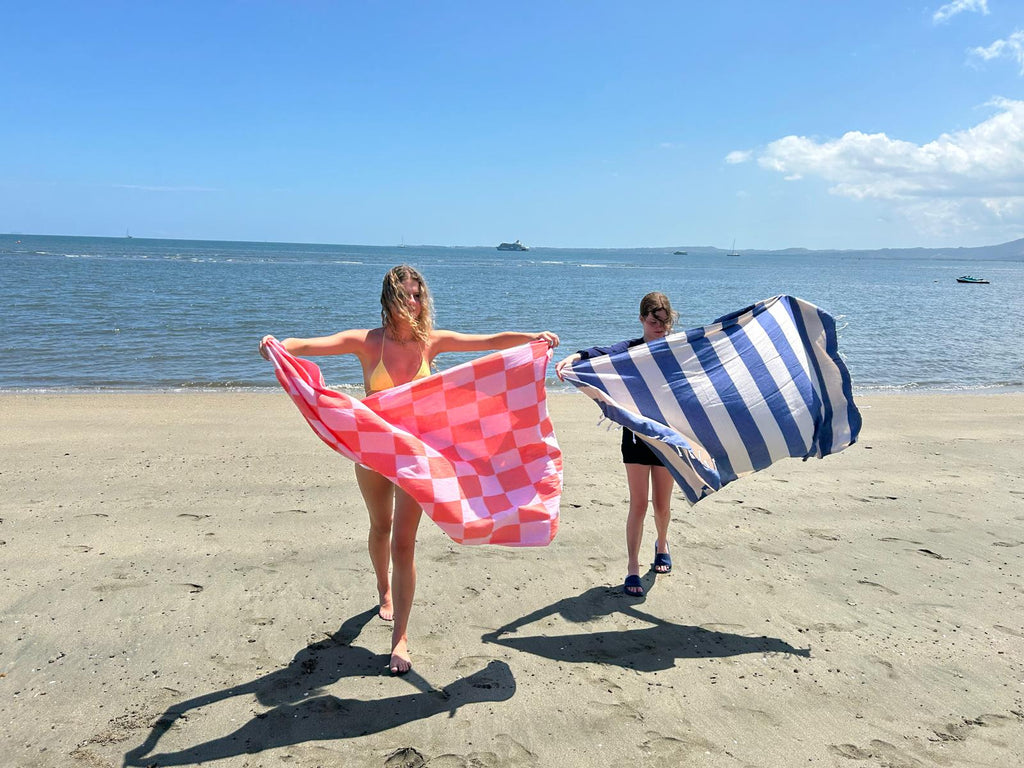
<point x="100" y="314"/>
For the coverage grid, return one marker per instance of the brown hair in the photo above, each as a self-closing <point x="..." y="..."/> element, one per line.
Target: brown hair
<point x="656" y="300"/>
<point x="393" y="298"/>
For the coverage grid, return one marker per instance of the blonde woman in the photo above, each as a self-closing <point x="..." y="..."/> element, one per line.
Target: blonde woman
<point x="646" y="476"/>
<point x="399" y="351"/>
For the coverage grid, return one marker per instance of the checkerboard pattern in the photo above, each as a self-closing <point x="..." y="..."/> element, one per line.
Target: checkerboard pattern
<point x="474" y="445"/>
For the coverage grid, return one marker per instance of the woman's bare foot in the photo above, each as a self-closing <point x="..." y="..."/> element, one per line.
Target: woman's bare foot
<point x="386" y="610"/>
<point x="401" y="662"/>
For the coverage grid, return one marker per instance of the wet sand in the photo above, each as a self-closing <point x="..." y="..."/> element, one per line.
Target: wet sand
<point x="185" y="581"/>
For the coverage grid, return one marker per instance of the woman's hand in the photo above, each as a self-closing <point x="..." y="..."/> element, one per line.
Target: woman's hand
<point x="549" y="337"/>
<point x="263" y="346"/>
<point x="564" y="363"/>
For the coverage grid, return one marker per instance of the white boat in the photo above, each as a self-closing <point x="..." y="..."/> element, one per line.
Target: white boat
<point x="733" y="252"/>
<point x="516" y="246"/>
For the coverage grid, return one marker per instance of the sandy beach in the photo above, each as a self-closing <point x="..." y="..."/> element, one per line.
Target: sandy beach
<point x="185" y="581"/>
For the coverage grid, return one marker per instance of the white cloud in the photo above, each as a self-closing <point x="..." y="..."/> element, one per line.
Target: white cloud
<point x="739" y="156"/>
<point x="957" y="180"/>
<point x="1012" y="47"/>
<point x="949" y="10"/>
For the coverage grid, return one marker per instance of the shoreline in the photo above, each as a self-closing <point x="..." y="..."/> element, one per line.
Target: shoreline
<point x="563" y="390"/>
<point x="205" y="556"/>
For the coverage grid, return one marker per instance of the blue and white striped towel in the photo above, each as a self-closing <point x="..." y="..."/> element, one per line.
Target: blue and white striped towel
<point x="722" y="401"/>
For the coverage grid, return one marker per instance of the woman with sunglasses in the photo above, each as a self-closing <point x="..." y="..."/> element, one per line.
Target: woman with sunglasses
<point x="644" y="471"/>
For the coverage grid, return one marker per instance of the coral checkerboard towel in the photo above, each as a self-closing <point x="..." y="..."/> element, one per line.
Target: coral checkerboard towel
<point x="474" y="445"/>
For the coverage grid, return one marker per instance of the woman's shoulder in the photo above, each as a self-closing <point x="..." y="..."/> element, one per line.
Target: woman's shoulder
<point x="363" y="339"/>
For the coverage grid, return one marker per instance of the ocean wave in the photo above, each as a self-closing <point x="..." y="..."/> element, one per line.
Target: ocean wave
<point x="939" y="388"/>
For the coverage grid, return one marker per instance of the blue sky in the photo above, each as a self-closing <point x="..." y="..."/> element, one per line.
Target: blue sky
<point x="590" y="124"/>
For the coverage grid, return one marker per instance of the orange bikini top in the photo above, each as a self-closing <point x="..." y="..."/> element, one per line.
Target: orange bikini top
<point x="381" y="379"/>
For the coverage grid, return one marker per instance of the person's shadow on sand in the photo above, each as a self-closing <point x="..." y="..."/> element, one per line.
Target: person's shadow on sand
<point x="649" y="649"/>
<point x="302" y="712"/>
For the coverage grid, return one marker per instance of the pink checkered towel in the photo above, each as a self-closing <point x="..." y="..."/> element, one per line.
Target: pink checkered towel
<point x="474" y="445"/>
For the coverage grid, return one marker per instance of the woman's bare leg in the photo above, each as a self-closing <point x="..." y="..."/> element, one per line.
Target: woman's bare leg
<point x="662" y="485"/>
<point x="638" y="479"/>
<point x="403" y="559"/>
<point x="378" y="495"/>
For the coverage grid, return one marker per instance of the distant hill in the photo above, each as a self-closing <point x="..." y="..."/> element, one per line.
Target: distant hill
<point x="1012" y="251"/>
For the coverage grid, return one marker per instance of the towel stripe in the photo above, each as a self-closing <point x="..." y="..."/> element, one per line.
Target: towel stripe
<point x="732" y="397"/>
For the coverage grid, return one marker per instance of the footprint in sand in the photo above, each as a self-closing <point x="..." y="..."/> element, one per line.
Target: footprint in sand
<point x="472" y="663"/>
<point x="618" y="711"/>
<point x="852" y="751"/>
<point x="877" y="586"/>
<point x="765" y="550"/>
<point x="879" y="750"/>
<point x="406" y="757"/>
<point x="830" y="627"/>
<point x="889" y="670"/>
<point x="506" y="752"/>
<point x="762" y="717"/>
<point x="1007" y="630"/>
<point x="117" y="587"/>
<point x="195" y="589"/>
<point x="907" y="541"/>
<point x="821" y="534"/>
<point x="668" y="750"/>
<point x="960" y="730"/>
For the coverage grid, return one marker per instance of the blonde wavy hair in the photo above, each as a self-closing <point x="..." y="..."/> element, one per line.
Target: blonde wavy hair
<point x="656" y="300"/>
<point x="393" y="303"/>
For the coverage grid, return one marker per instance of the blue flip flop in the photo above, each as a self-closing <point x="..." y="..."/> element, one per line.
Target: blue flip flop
<point x="662" y="560"/>
<point x="633" y="582"/>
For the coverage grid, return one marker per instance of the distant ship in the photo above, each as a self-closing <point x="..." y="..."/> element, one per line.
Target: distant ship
<point x="516" y="246"/>
<point x="679" y="253"/>
<point x="733" y="252"/>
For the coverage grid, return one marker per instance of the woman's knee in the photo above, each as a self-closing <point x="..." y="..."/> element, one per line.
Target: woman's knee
<point x="380" y="526"/>
<point x="403" y="549"/>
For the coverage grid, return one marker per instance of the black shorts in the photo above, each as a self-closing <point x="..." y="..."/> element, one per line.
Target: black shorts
<point x="636" y="451"/>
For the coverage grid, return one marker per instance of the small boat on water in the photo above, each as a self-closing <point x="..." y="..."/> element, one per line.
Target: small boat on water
<point x="679" y="253"/>
<point x="516" y="246"/>
<point x="974" y="280"/>
<point x="733" y="252"/>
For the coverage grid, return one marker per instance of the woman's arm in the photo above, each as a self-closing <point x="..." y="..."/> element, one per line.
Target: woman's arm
<point x="343" y="343"/>
<point x="586" y="354"/>
<point x="452" y="341"/>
